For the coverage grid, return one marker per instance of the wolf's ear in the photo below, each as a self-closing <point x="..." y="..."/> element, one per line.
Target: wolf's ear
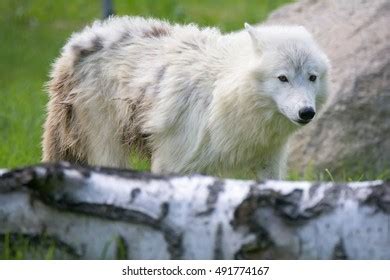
<point x="257" y="44"/>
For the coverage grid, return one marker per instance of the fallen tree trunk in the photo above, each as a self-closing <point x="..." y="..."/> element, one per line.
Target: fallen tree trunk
<point x="106" y="213"/>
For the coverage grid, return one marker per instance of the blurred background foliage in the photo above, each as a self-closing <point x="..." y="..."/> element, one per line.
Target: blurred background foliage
<point x="32" y="33"/>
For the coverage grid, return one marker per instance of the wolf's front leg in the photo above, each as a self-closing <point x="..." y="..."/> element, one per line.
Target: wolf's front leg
<point x="275" y="168"/>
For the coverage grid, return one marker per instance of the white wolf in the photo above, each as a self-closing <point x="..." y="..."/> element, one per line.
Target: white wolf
<point x="193" y="100"/>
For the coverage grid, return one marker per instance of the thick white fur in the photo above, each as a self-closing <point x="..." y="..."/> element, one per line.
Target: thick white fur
<point x="208" y="102"/>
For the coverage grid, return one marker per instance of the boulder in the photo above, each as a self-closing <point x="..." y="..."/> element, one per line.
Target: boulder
<point x="352" y="134"/>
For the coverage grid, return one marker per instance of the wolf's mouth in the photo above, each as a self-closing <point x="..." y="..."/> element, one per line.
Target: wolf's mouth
<point x="302" y="122"/>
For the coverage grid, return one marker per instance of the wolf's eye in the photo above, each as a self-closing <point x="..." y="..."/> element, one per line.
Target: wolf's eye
<point x="283" y="79"/>
<point x="312" y="78"/>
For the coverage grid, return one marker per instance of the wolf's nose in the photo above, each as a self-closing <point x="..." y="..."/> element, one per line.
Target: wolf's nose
<point x="306" y="113"/>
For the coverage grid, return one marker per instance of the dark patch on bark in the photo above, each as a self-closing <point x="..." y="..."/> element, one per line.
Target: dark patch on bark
<point x="103" y="211"/>
<point x="214" y="190"/>
<point x="328" y="202"/>
<point x="254" y="188"/>
<point x="339" y="252"/>
<point x="379" y="197"/>
<point x="218" y="249"/>
<point x="244" y="212"/>
<point x="85" y="173"/>
<point x="244" y="216"/>
<point x="174" y="240"/>
<point x="213" y="193"/>
<point x="10" y="181"/>
<point x="263" y="247"/>
<point x="172" y="236"/>
<point x="164" y="211"/>
<point x="286" y="206"/>
<point x="134" y="193"/>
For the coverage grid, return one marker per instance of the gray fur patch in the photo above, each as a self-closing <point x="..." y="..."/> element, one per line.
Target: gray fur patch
<point x="214" y="190"/>
<point x="159" y="78"/>
<point x="161" y="73"/>
<point x="156" y="32"/>
<point x="191" y="45"/>
<point x="84" y="51"/>
<point x="123" y="40"/>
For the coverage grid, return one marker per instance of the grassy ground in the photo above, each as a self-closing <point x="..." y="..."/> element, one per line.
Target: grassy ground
<point x="33" y="31"/>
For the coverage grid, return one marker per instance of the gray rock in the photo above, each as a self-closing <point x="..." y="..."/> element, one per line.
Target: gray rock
<point x="352" y="134"/>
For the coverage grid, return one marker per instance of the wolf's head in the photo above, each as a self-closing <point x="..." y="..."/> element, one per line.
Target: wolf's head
<point x="290" y="70"/>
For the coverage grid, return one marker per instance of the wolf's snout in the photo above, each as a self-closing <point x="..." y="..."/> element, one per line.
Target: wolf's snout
<point x="306" y="114"/>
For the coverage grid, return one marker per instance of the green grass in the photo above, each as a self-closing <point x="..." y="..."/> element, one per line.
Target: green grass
<point x="310" y="174"/>
<point x="34" y="247"/>
<point x="25" y="247"/>
<point x="32" y="33"/>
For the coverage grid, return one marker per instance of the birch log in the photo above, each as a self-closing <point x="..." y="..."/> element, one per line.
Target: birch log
<point x="99" y="212"/>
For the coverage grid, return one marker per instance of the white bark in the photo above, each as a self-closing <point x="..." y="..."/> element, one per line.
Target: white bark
<point x="96" y="212"/>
